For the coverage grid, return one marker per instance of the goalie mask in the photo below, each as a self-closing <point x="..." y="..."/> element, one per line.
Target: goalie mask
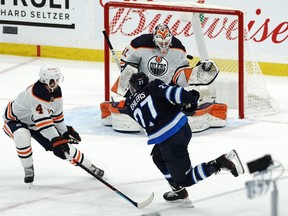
<point x="137" y="82"/>
<point x="162" y="38"/>
<point x="51" y="76"/>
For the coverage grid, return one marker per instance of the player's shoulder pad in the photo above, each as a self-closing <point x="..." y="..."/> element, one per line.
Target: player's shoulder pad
<point x="176" y="43"/>
<point x="154" y="85"/>
<point x="144" y="40"/>
<point x="157" y="82"/>
<point x="39" y="91"/>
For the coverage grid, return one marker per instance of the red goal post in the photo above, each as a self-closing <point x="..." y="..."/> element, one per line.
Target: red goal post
<point x="240" y="65"/>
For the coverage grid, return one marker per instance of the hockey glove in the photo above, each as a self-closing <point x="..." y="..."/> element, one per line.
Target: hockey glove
<point x="192" y="106"/>
<point x="60" y="146"/>
<point x="196" y="95"/>
<point x="189" y="108"/>
<point x="72" y="136"/>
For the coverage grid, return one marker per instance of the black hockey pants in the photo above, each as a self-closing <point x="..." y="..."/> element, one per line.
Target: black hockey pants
<point x="172" y="157"/>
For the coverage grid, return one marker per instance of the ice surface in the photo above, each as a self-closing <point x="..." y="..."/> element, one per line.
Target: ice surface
<point x="62" y="189"/>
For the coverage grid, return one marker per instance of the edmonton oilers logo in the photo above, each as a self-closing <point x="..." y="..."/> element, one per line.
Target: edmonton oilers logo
<point x="157" y="66"/>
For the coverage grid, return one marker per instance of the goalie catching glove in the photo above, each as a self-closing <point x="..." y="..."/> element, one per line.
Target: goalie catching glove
<point x="60" y="146"/>
<point x="72" y="136"/>
<point x="204" y="73"/>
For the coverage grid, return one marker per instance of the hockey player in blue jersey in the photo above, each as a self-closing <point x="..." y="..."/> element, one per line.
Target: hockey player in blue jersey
<point x="158" y="107"/>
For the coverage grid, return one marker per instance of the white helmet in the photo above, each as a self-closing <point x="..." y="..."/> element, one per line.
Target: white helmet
<point x="50" y="75"/>
<point x="162" y="38"/>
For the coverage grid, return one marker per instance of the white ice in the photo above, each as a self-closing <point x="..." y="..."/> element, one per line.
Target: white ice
<point x="63" y="189"/>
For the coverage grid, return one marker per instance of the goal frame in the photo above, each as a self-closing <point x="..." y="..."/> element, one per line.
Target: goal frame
<point x="192" y="9"/>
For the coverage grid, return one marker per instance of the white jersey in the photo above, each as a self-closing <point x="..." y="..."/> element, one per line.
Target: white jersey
<point x="39" y="110"/>
<point x="144" y="55"/>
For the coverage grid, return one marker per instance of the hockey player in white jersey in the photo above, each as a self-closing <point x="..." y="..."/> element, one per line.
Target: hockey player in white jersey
<point x="160" y="55"/>
<point x="37" y="112"/>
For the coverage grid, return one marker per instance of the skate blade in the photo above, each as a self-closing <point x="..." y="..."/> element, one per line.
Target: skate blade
<point x="187" y="203"/>
<point x="233" y="156"/>
<point x="30" y="185"/>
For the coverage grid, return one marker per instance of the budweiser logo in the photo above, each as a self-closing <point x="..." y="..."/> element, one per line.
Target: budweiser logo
<point x="213" y="26"/>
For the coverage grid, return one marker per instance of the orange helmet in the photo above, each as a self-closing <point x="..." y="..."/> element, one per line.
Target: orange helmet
<point x="162" y="37"/>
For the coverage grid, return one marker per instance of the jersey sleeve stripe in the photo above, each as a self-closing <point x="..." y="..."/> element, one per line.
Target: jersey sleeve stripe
<point x="178" y="95"/>
<point x="176" y="75"/>
<point x="168" y="93"/>
<point x="168" y="130"/>
<point x="45" y="123"/>
<point x="174" y="94"/>
<point x="9" y="112"/>
<point x="58" y="118"/>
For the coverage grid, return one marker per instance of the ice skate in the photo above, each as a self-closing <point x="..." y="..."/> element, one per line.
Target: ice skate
<point x="29" y="175"/>
<point x="97" y="171"/>
<point x="175" y="195"/>
<point x="178" y="195"/>
<point x="231" y="162"/>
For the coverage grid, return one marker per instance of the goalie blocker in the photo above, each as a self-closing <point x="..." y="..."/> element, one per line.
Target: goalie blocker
<point x="207" y="115"/>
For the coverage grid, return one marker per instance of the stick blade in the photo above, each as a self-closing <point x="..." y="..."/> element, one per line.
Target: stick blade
<point x="145" y="202"/>
<point x="233" y="156"/>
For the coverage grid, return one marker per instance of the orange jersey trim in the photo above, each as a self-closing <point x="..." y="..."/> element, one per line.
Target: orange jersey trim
<point x="8" y="131"/>
<point x="44" y="123"/>
<point x="9" y="112"/>
<point x="58" y="118"/>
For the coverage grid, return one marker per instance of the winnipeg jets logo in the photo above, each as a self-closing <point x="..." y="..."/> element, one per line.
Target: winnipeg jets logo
<point x="157" y="65"/>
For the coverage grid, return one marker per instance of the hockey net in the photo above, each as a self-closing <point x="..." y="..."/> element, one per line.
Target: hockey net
<point x="207" y="32"/>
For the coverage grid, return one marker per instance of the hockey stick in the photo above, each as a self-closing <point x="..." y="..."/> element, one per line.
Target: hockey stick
<point x="136" y="204"/>
<point x="111" y="49"/>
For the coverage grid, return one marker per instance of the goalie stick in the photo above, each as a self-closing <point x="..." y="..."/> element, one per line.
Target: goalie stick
<point x="136" y="204"/>
<point x="111" y="49"/>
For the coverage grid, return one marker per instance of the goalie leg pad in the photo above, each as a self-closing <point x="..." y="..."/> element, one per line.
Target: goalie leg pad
<point x="219" y="110"/>
<point x="105" y="113"/>
<point x="208" y="115"/>
<point x="121" y="121"/>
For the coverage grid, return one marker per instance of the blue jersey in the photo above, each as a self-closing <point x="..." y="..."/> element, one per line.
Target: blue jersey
<point x="157" y="108"/>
